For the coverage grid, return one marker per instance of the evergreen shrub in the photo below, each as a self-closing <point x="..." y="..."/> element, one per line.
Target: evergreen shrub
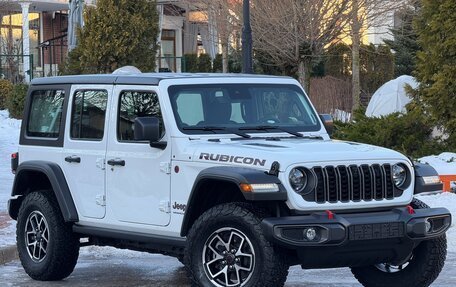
<point x="16" y="101"/>
<point x="410" y="134"/>
<point x="204" y="63"/>
<point x="6" y="87"/>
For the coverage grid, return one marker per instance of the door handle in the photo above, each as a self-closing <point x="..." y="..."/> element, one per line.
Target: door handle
<point x="119" y="162"/>
<point x="73" y="158"/>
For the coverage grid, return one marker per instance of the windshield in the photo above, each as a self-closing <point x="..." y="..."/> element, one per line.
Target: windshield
<point x="250" y="108"/>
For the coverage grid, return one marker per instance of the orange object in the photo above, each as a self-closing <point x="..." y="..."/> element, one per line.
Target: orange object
<point x="447" y="179"/>
<point x="246" y="187"/>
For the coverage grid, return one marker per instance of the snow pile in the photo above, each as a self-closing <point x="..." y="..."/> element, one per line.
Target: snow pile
<point x="341" y="116"/>
<point x="447" y="200"/>
<point x="444" y="163"/>
<point x="9" y="139"/>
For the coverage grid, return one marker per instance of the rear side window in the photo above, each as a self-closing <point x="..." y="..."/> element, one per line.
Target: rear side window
<point x="88" y="115"/>
<point x="46" y="113"/>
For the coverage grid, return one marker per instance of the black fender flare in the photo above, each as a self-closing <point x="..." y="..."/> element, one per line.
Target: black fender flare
<point x="236" y="176"/>
<point x="55" y="175"/>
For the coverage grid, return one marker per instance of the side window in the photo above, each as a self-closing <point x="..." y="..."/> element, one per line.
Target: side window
<point x="46" y="113"/>
<point x="133" y="104"/>
<point x="88" y="115"/>
<point x="190" y="108"/>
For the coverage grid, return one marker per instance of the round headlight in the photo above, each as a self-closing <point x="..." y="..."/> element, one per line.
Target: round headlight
<point x="399" y="175"/>
<point x="298" y="179"/>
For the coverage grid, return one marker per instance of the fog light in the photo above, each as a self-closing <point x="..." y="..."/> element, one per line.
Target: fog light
<point x="428" y="225"/>
<point x="310" y="233"/>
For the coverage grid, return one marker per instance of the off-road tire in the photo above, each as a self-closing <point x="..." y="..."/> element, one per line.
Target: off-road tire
<point x="62" y="247"/>
<point x="424" y="267"/>
<point x="270" y="267"/>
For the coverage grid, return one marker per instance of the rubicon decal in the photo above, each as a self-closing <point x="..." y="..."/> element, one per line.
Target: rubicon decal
<point x="232" y="158"/>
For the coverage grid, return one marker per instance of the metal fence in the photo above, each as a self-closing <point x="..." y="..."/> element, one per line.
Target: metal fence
<point x="12" y="67"/>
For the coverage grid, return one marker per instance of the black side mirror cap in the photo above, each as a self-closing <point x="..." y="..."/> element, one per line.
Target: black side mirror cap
<point x="148" y="129"/>
<point x="424" y="170"/>
<point x="328" y="122"/>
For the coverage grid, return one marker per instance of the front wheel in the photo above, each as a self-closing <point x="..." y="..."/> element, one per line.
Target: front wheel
<point x="420" y="270"/>
<point x="226" y="247"/>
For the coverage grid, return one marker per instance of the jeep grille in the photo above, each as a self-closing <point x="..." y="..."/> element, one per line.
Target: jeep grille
<point x="353" y="183"/>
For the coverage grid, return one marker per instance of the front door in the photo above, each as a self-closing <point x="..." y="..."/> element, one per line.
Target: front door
<point x="138" y="179"/>
<point x="84" y="150"/>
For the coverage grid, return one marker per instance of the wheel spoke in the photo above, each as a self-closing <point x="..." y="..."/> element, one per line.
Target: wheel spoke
<point x="34" y="250"/>
<point x="244" y="268"/>
<point x="223" y="242"/>
<point x="42" y="248"/>
<point x="241" y="254"/>
<point x="217" y="253"/>
<point x="45" y="234"/>
<point x="230" y="240"/>
<point x="217" y="258"/>
<point x="40" y="223"/>
<point x="39" y="250"/>
<point x="223" y="271"/>
<point x="34" y="227"/>
<point x="238" y="276"/>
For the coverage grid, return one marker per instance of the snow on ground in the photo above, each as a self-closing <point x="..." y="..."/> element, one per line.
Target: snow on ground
<point x="447" y="200"/>
<point x="9" y="139"/>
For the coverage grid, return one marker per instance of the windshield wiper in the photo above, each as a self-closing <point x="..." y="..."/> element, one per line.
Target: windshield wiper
<point x="215" y="129"/>
<point x="266" y="128"/>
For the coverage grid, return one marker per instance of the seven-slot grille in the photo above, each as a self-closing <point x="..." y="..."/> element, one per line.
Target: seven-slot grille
<point x="345" y="183"/>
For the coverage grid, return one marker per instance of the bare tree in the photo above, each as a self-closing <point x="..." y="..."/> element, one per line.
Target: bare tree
<point x="295" y="32"/>
<point x="367" y="14"/>
<point x="9" y="65"/>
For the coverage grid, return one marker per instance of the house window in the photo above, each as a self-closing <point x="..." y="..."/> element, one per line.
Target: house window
<point x="168" y="51"/>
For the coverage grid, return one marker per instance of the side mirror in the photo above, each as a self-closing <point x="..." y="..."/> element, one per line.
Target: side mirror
<point x="148" y="129"/>
<point x="328" y="123"/>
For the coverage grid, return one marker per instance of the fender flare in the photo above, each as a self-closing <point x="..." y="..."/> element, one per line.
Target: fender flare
<point x="55" y="175"/>
<point x="236" y="176"/>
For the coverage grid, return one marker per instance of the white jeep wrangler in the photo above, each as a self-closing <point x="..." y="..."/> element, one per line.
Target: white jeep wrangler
<point x="235" y="175"/>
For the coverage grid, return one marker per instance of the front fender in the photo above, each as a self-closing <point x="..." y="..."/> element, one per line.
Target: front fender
<point x="235" y="176"/>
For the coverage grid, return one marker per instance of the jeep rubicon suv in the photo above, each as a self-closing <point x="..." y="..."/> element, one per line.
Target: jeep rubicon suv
<point x="235" y="175"/>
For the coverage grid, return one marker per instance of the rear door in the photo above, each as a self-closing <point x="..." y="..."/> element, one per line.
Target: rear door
<point x="84" y="152"/>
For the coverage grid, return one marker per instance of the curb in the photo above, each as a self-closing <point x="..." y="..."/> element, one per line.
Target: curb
<point x="8" y="254"/>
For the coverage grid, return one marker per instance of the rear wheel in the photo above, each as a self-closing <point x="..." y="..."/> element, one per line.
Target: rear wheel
<point x="47" y="247"/>
<point x="420" y="270"/>
<point x="226" y="247"/>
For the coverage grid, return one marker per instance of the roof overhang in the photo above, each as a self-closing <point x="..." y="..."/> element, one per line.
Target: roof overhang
<point x="38" y="5"/>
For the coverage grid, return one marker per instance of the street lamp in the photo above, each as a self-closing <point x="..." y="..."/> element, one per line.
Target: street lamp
<point x="247" y="66"/>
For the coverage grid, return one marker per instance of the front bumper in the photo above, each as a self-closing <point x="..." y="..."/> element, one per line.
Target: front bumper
<point x="356" y="238"/>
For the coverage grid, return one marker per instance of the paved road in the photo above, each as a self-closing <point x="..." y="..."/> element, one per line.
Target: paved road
<point x="109" y="267"/>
